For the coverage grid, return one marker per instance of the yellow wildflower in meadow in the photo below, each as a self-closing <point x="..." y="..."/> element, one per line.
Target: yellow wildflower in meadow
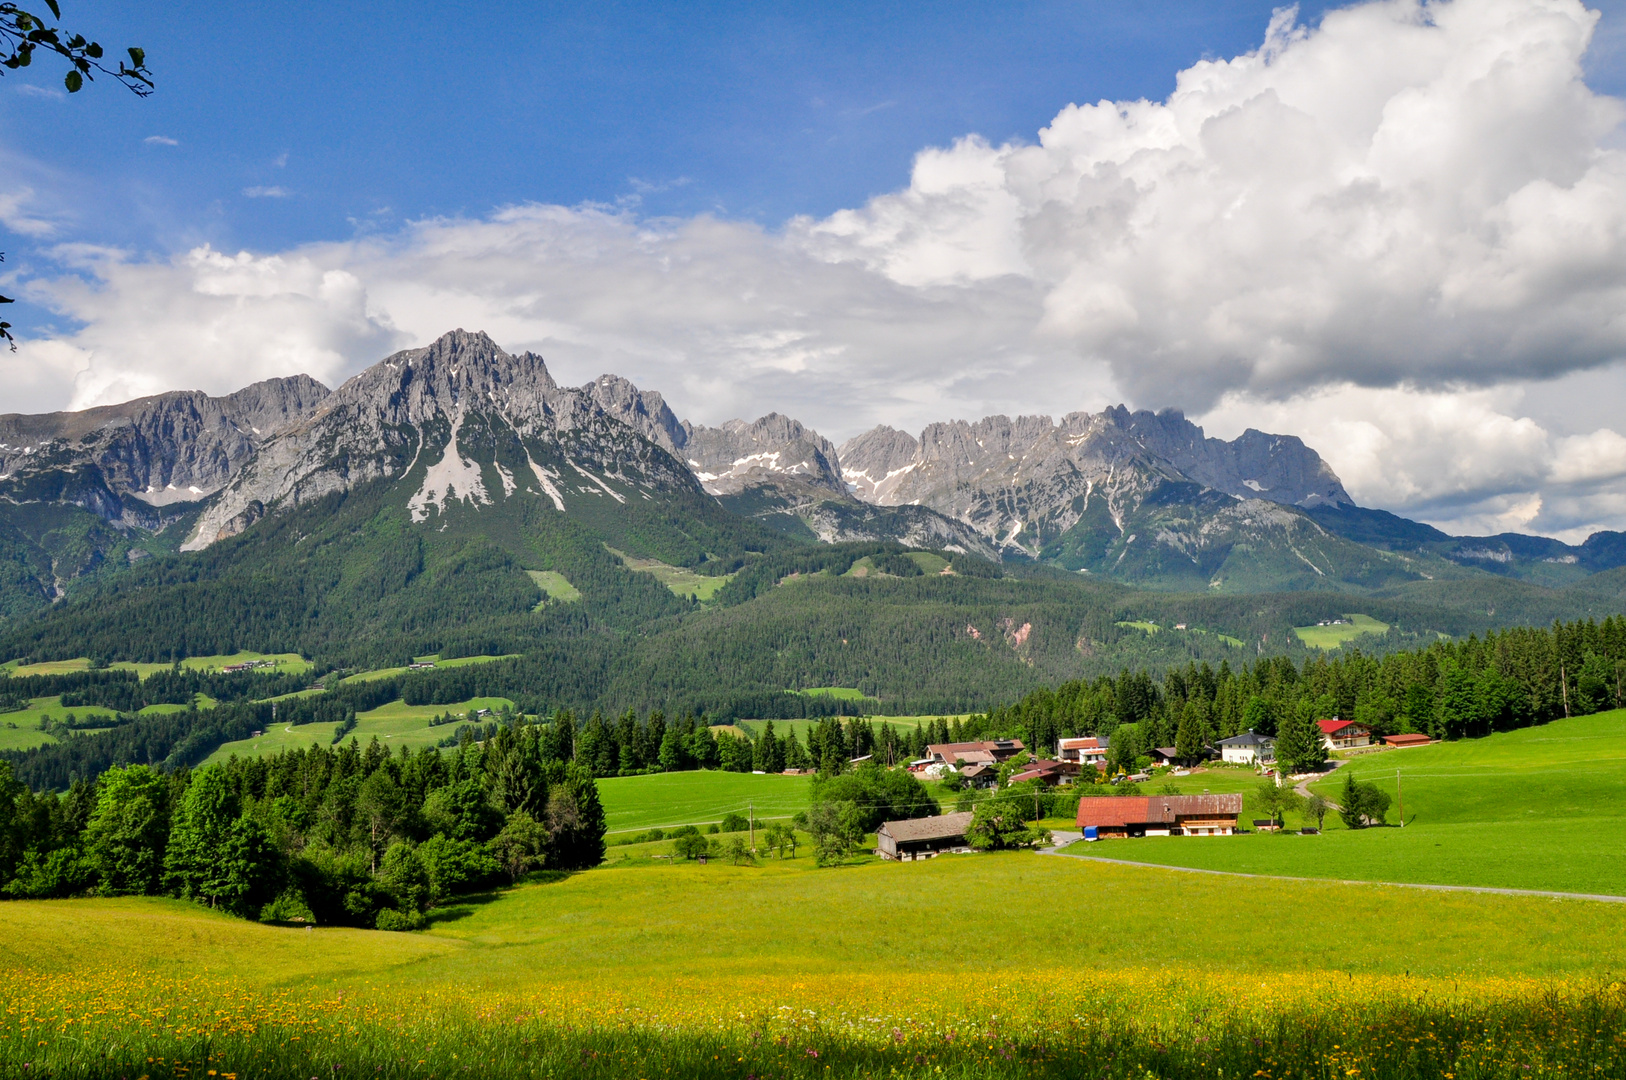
<point x="1118" y="1023"/>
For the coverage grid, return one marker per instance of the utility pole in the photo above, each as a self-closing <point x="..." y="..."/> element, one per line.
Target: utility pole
<point x="753" y="811"/>
<point x="1401" y="799"/>
<point x="1564" y="688"/>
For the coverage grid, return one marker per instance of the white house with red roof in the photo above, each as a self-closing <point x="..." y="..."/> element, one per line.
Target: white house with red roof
<point x="1339" y="734"/>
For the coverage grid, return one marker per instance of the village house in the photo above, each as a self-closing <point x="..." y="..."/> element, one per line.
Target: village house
<point x="980" y="775"/>
<point x="1248" y="749"/>
<point x="1085" y="750"/>
<point x="1160" y="815"/>
<point x="1049" y="773"/>
<point x="972" y="753"/>
<point x="922" y="838"/>
<point x="1339" y="734"/>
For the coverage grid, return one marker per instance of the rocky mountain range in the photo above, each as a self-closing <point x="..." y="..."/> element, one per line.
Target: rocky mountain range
<point x="1136" y="496"/>
<point x="127" y="461"/>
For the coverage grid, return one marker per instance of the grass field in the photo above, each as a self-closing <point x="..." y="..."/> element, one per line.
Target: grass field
<point x="20" y="730"/>
<point x="1147" y="627"/>
<point x="639" y="969"/>
<point x="840" y="693"/>
<point x="1538" y="808"/>
<point x="680" y="579"/>
<point x="285" y="662"/>
<point x="396" y="724"/>
<point x="1331" y="637"/>
<point x="633" y="803"/>
<point x="555" y="586"/>
<point x="929" y="562"/>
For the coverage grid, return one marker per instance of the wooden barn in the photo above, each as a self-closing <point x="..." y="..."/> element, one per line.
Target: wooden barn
<point x="922" y="838"/>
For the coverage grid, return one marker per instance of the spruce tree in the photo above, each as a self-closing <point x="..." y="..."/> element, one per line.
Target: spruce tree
<point x="1299" y="748"/>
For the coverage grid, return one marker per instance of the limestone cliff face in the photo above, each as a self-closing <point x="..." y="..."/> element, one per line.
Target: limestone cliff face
<point x="1024" y="482"/>
<point x="482" y="423"/>
<point x="122" y="461"/>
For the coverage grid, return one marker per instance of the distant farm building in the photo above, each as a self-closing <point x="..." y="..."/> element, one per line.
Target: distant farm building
<point x="1339" y="734"/>
<point x="1086" y="750"/>
<point x="922" y="838"/>
<point x="1160" y="815"/>
<point x="1248" y="749"/>
<point x="1409" y="739"/>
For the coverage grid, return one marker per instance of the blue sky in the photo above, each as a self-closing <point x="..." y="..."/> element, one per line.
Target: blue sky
<point x="1395" y="228"/>
<point x="375" y="113"/>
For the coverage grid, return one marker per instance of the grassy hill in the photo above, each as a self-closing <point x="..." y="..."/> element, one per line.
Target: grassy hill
<point x="396" y="724"/>
<point x="1537" y="808"/>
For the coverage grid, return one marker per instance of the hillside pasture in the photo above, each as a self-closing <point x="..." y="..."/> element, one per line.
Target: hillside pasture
<point x="396" y="724"/>
<point x="663" y="800"/>
<point x="929" y="561"/>
<point x="1538" y="808"/>
<point x="839" y="693"/>
<point x="20" y="730"/>
<point x="283" y="663"/>
<point x="680" y="579"/>
<point x="1332" y="637"/>
<point x="555" y="586"/>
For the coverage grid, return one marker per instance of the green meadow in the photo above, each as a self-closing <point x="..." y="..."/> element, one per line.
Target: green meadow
<point x="283" y="663"/>
<point x="1538" y="808"/>
<point x="658" y="968"/>
<point x="20" y="730"/>
<point x="396" y="724"/>
<point x="652" y="966"/>
<point x="555" y="586"/>
<point x="653" y="920"/>
<point x="1331" y="637"/>
<point x="662" y="800"/>
<point x="840" y="693"/>
<point x="680" y="579"/>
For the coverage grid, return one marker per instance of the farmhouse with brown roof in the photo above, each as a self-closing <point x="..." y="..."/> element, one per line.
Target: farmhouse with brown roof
<point x="922" y="838"/>
<point x="1160" y="815"/>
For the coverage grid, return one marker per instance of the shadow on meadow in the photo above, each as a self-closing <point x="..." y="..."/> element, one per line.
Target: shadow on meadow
<point x="462" y="907"/>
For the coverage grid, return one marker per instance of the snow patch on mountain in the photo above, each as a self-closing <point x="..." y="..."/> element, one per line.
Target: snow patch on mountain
<point x="453" y="477"/>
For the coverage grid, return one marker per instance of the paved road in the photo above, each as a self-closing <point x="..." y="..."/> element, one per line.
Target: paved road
<point x="1600" y="897"/>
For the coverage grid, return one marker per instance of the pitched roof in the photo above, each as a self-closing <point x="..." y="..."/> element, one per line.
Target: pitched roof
<point x="929" y="828"/>
<point x="1335" y="725"/>
<point x="1121" y="810"/>
<point x="1247" y="738"/>
<point x="1090" y="742"/>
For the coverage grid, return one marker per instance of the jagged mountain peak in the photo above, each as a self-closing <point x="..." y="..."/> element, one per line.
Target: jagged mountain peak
<point x="770" y="450"/>
<point x="117" y="461"/>
<point x="443" y="416"/>
<point x="438" y="379"/>
<point x="645" y="411"/>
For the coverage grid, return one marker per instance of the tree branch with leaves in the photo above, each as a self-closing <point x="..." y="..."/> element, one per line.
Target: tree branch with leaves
<point x="23" y="33"/>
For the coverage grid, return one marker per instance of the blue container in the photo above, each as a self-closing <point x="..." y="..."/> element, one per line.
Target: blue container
<point x="1090" y="833"/>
